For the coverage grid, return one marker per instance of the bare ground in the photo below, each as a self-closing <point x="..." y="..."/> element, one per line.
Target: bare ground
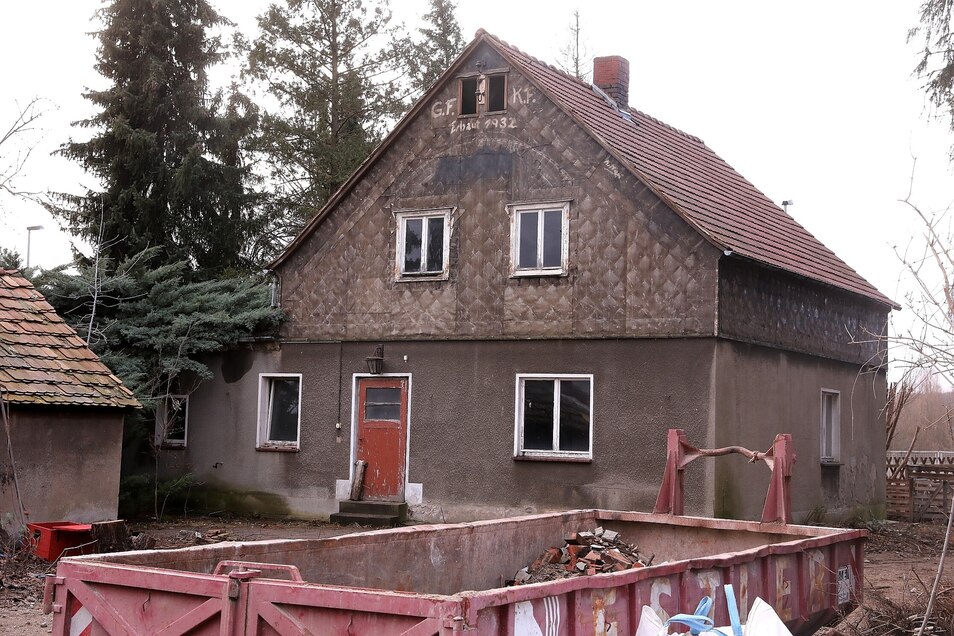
<point x="901" y="560"/>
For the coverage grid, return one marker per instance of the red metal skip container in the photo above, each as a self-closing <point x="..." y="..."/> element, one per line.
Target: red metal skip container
<point x="50" y="539"/>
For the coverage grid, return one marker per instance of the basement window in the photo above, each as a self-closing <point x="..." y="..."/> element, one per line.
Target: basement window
<point x="279" y="412"/>
<point x="172" y="421"/>
<point x="554" y="417"/>
<point x="539" y="241"/>
<point x="830" y="426"/>
<point x="423" y="244"/>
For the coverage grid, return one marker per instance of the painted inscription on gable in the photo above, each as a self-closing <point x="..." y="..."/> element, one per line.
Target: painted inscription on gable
<point x="487" y="123"/>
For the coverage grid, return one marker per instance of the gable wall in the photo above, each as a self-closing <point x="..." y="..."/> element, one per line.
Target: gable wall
<point x="635" y="268"/>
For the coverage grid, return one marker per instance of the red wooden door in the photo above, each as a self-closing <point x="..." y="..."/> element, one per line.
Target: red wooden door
<point x="382" y="436"/>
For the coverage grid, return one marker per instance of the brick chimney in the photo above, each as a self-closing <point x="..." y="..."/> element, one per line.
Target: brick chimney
<point x="611" y="74"/>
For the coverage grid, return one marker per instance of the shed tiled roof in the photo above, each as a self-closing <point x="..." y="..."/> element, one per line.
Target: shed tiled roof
<point x="43" y="361"/>
<point x="694" y="181"/>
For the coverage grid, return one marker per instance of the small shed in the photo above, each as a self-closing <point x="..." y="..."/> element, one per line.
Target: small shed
<point x="62" y="416"/>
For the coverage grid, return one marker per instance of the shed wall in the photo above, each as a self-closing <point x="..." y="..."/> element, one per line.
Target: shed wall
<point x="67" y="465"/>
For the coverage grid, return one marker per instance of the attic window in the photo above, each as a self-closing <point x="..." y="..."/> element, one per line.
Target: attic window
<point x="487" y="91"/>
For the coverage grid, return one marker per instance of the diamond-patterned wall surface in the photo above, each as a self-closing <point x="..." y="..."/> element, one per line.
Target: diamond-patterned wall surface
<point x="778" y="309"/>
<point x="635" y="268"/>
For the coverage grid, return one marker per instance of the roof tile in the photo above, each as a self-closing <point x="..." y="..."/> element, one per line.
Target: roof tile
<point x="42" y="360"/>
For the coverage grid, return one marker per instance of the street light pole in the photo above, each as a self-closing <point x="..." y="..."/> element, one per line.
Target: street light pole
<point x="30" y="230"/>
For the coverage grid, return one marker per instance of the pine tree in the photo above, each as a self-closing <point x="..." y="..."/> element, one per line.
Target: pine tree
<point x="441" y="42"/>
<point x="335" y="69"/>
<point x="165" y="150"/>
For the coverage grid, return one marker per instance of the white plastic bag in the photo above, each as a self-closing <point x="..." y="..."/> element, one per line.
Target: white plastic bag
<point x="761" y="621"/>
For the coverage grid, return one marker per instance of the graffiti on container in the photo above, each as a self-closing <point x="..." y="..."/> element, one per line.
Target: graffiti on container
<point x="660" y="587"/>
<point x="709" y="582"/>
<point x="783" y="588"/>
<point x="816" y="575"/>
<point x="743" y="591"/>
<point x="844" y="584"/>
<point x="603" y="615"/>
<point x="526" y="624"/>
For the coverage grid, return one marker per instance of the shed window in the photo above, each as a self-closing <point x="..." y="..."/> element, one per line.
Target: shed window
<point x="554" y="416"/>
<point x="279" y="412"/>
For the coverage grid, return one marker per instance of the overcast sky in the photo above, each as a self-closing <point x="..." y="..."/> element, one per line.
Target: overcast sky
<point x="811" y="101"/>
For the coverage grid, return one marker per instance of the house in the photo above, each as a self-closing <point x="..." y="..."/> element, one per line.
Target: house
<point x="62" y="413"/>
<point x="515" y="296"/>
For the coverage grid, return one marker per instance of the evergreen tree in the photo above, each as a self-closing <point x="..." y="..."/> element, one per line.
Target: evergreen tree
<point x="335" y="68"/>
<point x="441" y="42"/>
<point x="165" y="150"/>
<point x="937" y="58"/>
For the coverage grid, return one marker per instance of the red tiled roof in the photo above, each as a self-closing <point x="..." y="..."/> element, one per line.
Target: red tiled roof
<point x="42" y="360"/>
<point x="694" y="181"/>
<point x="685" y="173"/>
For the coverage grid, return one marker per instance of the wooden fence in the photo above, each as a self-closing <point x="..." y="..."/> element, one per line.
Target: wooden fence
<point x="921" y="487"/>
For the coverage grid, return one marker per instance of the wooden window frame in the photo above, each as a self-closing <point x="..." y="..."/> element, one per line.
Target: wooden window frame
<point x="504" y="72"/>
<point x="835" y="458"/>
<point x="549" y="455"/>
<point x="515" y="210"/>
<point x="400" y="216"/>
<point x="262" y="441"/>
<point x="162" y="412"/>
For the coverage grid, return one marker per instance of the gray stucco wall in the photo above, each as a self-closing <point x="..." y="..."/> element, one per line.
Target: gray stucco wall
<point x="461" y="425"/>
<point x="67" y="464"/>
<point x="763" y="391"/>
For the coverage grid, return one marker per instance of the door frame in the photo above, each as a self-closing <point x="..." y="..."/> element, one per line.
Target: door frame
<point x="354" y="423"/>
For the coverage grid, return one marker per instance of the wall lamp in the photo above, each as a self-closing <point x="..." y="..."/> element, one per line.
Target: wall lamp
<point x="376" y="361"/>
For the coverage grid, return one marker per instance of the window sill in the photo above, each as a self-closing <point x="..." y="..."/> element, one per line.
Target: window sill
<point x="268" y="448"/>
<point x="414" y="278"/>
<point x="553" y="458"/>
<point x="830" y="463"/>
<point x="537" y="273"/>
<point x="172" y="447"/>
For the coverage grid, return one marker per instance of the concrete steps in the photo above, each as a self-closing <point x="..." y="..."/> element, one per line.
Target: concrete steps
<point x="379" y="514"/>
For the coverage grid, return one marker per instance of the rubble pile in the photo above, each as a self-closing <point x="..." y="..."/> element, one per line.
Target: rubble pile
<point x="583" y="554"/>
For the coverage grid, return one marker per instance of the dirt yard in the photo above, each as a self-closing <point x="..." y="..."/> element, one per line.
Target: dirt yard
<point x="899" y="569"/>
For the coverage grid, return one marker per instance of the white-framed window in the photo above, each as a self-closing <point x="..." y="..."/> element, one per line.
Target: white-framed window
<point x="830" y="426"/>
<point x="172" y="421"/>
<point x="423" y="244"/>
<point x="554" y="416"/>
<point x="279" y="410"/>
<point x="539" y="241"/>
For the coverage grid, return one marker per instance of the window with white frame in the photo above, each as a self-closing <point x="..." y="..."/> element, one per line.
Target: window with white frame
<point x="554" y="416"/>
<point x="172" y="421"/>
<point x="423" y="243"/>
<point x="830" y="426"/>
<point x="279" y="410"/>
<point x="539" y="241"/>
